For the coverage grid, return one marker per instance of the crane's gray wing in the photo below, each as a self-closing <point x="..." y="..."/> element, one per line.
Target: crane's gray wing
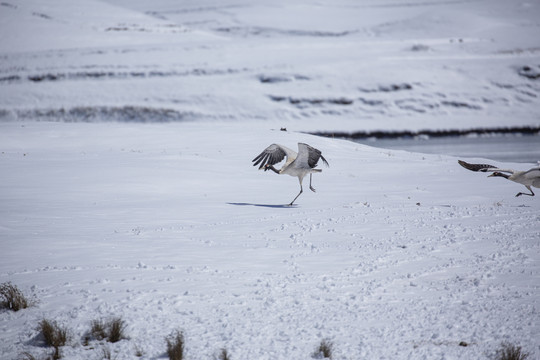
<point x="308" y="155"/>
<point x="484" y="167"/>
<point x="273" y="154"/>
<point x="534" y="175"/>
<point x="478" y="167"/>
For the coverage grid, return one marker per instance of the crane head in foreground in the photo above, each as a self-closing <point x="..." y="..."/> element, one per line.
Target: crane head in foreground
<point x="527" y="178"/>
<point x="297" y="164"/>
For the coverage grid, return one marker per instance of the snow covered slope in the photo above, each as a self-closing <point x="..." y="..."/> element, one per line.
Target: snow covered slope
<point x="397" y="255"/>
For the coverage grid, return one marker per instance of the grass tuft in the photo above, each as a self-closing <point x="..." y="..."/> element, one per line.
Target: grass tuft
<point x="12" y="298"/>
<point x="138" y="351"/>
<point x="324" y="350"/>
<point x="116" y="330"/>
<point x="223" y="355"/>
<point x="54" y="335"/>
<point x="98" y="330"/>
<point x="510" y="352"/>
<point x="106" y="353"/>
<point x="112" y="330"/>
<point x="176" y="346"/>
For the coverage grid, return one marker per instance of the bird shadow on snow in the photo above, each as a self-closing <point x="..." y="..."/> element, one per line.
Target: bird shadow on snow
<point x="286" y="206"/>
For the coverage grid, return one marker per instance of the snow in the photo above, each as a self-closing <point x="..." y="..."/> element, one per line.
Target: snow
<point x="127" y="131"/>
<point x="204" y="60"/>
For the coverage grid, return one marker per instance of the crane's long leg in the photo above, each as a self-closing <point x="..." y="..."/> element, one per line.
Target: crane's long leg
<point x="528" y="187"/>
<point x="311" y="187"/>
<point x="297" y="195"/>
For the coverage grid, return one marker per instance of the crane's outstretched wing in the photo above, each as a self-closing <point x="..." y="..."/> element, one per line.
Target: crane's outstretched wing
<point x="533" y="175"/>
<point x="478" y="167"/>
<point x="273" y="154"/>
<point x="484" y="167"/>
<point x="309" y="156"/>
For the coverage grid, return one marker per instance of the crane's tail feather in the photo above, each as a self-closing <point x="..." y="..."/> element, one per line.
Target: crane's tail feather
<point x="324" y="161"/>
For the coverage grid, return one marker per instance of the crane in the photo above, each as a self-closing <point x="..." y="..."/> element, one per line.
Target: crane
<point x="297" y="164"/>
<point x="528" y="178"/>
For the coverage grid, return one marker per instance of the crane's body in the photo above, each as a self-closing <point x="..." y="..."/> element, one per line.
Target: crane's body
<point x="527" y="178"/>
<point x="297" y="164"/>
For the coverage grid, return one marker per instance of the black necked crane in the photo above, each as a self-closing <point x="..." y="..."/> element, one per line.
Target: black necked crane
<point x="297" y="164"/>
<point x="528" y="178"/>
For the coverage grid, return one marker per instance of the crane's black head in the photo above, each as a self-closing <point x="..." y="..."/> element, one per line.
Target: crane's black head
<point x="271" y="167"/>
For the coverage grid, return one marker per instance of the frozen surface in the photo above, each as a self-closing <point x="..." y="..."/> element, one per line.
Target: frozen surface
<point x="508" y="148"/>
<point x="127" y="130"/>
<point x="398" y="255"/>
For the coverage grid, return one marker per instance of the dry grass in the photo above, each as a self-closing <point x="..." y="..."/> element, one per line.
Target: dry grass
<point x="176" y="346"/>
<point x="98" y="330"/>
<point x="106" y="353"/>
<point x="510" y="352"/>
<point x="53" y="335"/>
<point x="223" y="355"/>
<point x="324" y="350"/>
<point x="116" y="329"/>
<point x="112" y="330"/>
<point x="12" y="298"/>
<point x="138" y="351"/>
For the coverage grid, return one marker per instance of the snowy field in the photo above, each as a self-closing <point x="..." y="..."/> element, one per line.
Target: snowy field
<point x="127" y="130"/>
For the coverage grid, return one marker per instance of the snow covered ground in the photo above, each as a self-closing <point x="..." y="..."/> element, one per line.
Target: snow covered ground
<point x="396" y="256"/>
<point x="127" y="131"/>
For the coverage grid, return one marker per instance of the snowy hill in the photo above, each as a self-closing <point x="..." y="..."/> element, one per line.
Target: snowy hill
<point x="127" y="132"/>
<point x="334" y="66"/>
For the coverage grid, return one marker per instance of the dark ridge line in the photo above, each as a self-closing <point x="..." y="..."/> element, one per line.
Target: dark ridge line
<point x="269" y="31"/>
<point x="85" y="75"/>
<point x="392" y="134"/>
<point x="91" y="114"/>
